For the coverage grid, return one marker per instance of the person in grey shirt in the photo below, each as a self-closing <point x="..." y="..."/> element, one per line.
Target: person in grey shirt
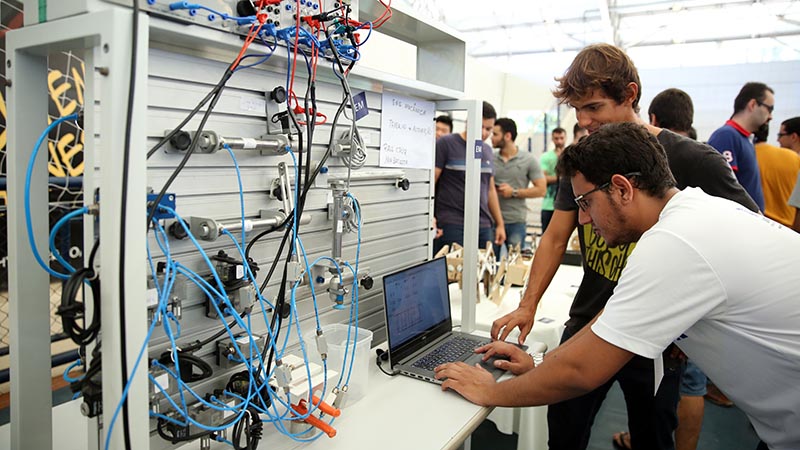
<point x="514" y="171"/>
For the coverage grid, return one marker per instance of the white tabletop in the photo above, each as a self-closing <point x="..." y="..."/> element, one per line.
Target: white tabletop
<point x="398" y="413"/>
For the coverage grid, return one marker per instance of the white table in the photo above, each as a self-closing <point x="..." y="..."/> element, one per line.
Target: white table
<point x="398" y="413"/>
<point x="553" y="311"/>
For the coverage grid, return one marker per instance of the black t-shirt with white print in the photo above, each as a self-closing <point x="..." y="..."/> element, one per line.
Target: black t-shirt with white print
<point x="693" y="164"/>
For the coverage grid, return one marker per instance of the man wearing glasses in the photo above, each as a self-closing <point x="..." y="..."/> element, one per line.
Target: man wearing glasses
<point x="789" y="134"/>
<point x="603" y="86"/>
<point x="682" y="284"/>
<point x="752" y="108"/>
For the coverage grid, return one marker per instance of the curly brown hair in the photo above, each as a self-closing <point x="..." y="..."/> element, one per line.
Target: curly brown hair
<point x="599" y="66"/>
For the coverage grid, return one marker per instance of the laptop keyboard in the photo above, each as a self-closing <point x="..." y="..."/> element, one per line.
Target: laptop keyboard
<point x="452" y="350"/>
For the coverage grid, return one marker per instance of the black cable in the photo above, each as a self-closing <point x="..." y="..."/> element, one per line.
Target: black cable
<point x="301" y="202"/>
<point x="274" y="263"/>
<point x="280" y="301"/>
<point x="264" y="233"/>
<point x="378" y="363"/>
<point x="309" y="179"/>
<point x="197" y="345"/>
<point x="183" y="123"/>
<point x="250" y="424"/>
<point x="123" y="219"/>
<point x="219" y="88"/>
<point x="174" y="439"/>
<point x="71" y="310"/>
<point x="187" y="362"/>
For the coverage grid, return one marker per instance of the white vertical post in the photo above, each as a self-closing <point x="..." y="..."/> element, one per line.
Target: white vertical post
<point x="29" y="285"/>
<point x="114" y="54"/>
<point x="472" y="185"/>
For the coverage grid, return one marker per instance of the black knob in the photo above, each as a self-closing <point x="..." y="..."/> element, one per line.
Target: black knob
<point x="277" y="193"/>
<point x="404" y="184"/>
<point x="181" y="141"/>
<point x="177" y="231"/>
<point x="286" y="310"/>
<point x="279" y="93"/>
<point x="245" y="8"/>
<point x="367" y="282"/>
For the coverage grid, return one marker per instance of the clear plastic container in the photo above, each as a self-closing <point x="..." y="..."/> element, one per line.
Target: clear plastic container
<point x="337" y="338"/>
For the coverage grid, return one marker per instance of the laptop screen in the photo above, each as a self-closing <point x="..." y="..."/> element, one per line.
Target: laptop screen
<point x="417" y="302"/>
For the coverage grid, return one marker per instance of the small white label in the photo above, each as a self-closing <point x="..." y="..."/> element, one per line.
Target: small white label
<point x="244" y="340"/>
<point x="152" y="297"/>
<point x="163" y="381"/>
<point x="228" y="412"/>
<point x="339" y="226"/>
<point x="248" y="225"/>
<point x="330" y="197"/>
<point x="249" y="142"/>
<point x="239" y="271"/>
<point x="252" y="104"/>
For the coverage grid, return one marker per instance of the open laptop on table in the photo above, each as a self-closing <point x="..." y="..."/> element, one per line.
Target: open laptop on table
<point x="419" y="323"/>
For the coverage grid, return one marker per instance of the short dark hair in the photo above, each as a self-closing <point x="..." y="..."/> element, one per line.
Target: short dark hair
<point x="445" y="119"/>
<point x="507" y="126"/>
<point x="750" y="91"/>
<point x="620" y="148"/>
<point x="488" y="111"/>
<point x="673" y="109"/>
<point x="577" y="128"/>
<point x="792" y="126"/>
<point x="558" y="130"/>
<point x="761" y="134"/>
<point x="599" y="66"/>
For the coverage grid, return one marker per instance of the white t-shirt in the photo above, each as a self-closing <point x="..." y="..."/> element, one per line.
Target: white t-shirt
<point x="723" y="283"/>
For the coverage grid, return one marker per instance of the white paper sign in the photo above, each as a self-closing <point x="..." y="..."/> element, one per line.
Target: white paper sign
<point x="407" y="132"/>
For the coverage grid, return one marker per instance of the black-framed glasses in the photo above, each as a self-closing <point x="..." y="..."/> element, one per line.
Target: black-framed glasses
<point x="780" y="135"/>
<point x="770" y="108"/>
<point x="581" y="199"/>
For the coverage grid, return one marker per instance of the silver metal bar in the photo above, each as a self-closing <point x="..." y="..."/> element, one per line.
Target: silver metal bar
<point x="388" y="175"/>
<point x="268" y="144"/>
<point x="249" y="224"/>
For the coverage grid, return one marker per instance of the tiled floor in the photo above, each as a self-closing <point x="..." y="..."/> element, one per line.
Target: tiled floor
<point x="723" y="429"/>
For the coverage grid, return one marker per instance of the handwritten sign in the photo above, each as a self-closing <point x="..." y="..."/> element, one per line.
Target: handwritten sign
<point x="407" y="132"/>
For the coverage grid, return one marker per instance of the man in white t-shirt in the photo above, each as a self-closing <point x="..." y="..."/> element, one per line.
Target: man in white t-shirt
<point x="715" y="278"/>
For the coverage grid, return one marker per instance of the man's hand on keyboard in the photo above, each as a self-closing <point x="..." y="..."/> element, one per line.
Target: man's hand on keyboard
<point x="521" y="317"/>
<point x="472" y="382"/>
<point x="511" y="357"/>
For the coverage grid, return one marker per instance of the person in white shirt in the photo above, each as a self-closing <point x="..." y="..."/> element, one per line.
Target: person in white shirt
<point x="711" y="276"/>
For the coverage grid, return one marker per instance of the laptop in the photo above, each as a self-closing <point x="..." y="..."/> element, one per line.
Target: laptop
<point x="419" y="323"/>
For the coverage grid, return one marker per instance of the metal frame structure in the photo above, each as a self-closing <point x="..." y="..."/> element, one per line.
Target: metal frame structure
<point x="105" y="34"/>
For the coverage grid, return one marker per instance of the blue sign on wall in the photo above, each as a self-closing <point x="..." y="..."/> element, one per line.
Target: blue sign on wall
<point x="360" y="102"/>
